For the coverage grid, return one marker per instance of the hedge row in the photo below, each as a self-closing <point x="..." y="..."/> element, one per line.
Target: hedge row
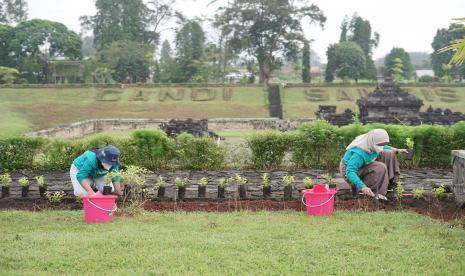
<point x="151" y="149"/>
<point x="315" y="144"/>
<point x="319" y="144"/>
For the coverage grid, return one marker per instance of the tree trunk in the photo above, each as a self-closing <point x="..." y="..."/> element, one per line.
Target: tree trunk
<point x="265" y="72"/>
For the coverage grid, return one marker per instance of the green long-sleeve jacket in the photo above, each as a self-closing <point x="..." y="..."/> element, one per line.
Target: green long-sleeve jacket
<point x="355" y="159"/>
<point x="88" y="168"/>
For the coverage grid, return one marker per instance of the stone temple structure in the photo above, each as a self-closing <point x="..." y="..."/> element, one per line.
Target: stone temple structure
<point x="389" y="104"/>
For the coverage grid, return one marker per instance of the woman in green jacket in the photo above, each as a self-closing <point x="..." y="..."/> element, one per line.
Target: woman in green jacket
<point x="88" y="171"/>
<point x="370" y="164"/>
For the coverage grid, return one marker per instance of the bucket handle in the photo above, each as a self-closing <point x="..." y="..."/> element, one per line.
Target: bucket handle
<point x="100" y="208"/>
<point x="319" y="205"/>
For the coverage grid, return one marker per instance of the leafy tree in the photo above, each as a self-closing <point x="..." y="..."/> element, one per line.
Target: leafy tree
<point x="267" y="29"/>
<point x="390" y="63"/>
<point x="397" y="70"/>
<point x="129" y="61"/>
<point x="29" y="45"/>
<point x="346" y="60"/>
<point x="443" y="38"/>
<point x="190" y="45"/>
<point x="359" y="31"/>
<point x="457" y="46"/>
<point x="306" y="77"/>
<point x="118" y="20"/>
<point x="8" y="75"/>
<point x="166" y="64"/>
<point x="12" y="11"/>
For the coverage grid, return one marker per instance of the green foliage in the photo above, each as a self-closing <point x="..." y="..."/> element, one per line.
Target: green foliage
<point x="440" y="191"/>
<point x="426" y="79"/>
<point x="8" y="75"/>
<point x="180" y="182"/>
<point x="397" y="64"/>
<point x="55" y="197"/>
<point x="129" y="61"/>
<point x="153" y="148"/>
<point x="316" y="145"/>
<point x="268" y="148"/>
<point x="265" y="180"/>
<point x="160" y="182"/>
<point x="240" y="180"/>
<point x="203" y="182"/>
<point x="288" y="180"/>
<point x="200" y="153"/>
<point x="5" y="180"/>
<point x="23" y="181"/>
<point x="109" y="177"/>
<point x="12" y="11"/>
<point x="346" y="60"/>
<point x="40" y="180"/>
<point x="444" y="38"/>
<point x="306" y="76"/>
<point x="328" y="178"/>
<point x="358" y="30"/>
<point x="59" y="154"/>
<point x="409" y="143"/>
<point x="308" y="182"/>
<point x="118" y="20"/>
<point x="265" y="29"/>
<point x="222" y="182"/>
<point x="419" y="193"/>
<point x="18" y="153"/>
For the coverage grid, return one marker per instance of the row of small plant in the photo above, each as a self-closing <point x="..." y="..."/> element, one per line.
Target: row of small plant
<point x="438" y="192"/>
<point x="240" y="181"/>
<point x="6" y="181"/>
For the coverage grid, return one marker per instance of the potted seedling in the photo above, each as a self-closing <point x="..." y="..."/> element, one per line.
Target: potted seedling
<point x="241" y="185"/>
<point x="329" y="181"/>
<point x="135" y="184"/>
<point x="5" y="180"/>
<point x="55" y="198"/>
<point x="107" y="189"/>
<point x="181" y="184"/>
<point x="202" y="190"/>
<point x="410" y="150"/>
<point x="288" y="180"/>
<point x="222" y="182"/>
<point x="161" y="186"/>
<point x="419" y="194"/>
<point x="440" y="191"/>
<point x="40" y="180"/>
<point x="24" y="183"/>
<point x="308" y="182"/>
<point x="266" y="185"/>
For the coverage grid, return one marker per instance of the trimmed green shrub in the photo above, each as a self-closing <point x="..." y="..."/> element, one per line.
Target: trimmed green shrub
<point x="199" y="153"/>
<point x="317" y="145"/>
<point x="268" y="148"/>
<point x="153" y="149"/>
<point x="19" y="152"/>
<point x="59" y="154"/>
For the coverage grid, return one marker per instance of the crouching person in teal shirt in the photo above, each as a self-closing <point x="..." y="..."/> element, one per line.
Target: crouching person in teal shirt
<point x="370" y="164"/>
<point x="88" y="171"/>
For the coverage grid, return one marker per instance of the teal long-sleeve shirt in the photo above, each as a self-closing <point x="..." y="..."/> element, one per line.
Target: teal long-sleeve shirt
<point x="356" y="158"/>
<point x="88" y="168"/>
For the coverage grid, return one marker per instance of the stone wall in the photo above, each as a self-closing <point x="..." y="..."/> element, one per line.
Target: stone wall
<point x="88" y="127"/>
<point x="458" y="182"/>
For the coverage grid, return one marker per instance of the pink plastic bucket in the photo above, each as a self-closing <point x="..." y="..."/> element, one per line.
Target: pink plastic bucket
<point x="99" y="208"/>
<point x="319" y="200"/>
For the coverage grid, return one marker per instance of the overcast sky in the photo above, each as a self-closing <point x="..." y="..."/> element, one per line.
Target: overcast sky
<point x="410" y="24"/>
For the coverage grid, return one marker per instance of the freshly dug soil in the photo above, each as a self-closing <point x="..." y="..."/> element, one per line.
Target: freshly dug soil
<point x="446" y="210"/>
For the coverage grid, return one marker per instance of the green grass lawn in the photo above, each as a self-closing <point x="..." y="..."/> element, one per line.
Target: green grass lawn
<point x="278" y="243"/>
